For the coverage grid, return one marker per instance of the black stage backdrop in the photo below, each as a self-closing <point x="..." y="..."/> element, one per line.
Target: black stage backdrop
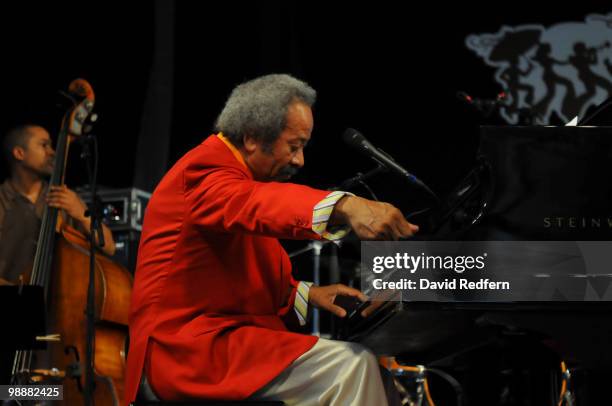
<point x="162" y="71"/>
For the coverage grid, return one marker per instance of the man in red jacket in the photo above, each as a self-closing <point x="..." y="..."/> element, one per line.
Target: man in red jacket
<point x="213" y="292"/>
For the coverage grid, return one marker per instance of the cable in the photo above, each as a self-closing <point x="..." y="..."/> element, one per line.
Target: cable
<point x="391" y="364"/>
<point x="367" y="187"/>
<point x="427" y="394"/>
<point x="564" y="395"/>
<point x="452" y="382"/>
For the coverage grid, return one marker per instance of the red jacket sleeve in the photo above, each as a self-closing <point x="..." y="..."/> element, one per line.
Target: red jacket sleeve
<point x="225" y="199"/>
<point x="287" y="312"/>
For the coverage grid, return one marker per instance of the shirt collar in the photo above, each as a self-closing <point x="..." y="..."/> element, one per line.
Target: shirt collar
<point x="232" y="148"/>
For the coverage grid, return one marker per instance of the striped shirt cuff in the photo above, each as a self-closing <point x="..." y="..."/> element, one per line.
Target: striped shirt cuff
<point x="301" y="302"/>
<point x="321" y="214"/>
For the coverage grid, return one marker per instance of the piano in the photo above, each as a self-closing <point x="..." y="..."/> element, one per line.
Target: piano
<point x="530" y="184"/>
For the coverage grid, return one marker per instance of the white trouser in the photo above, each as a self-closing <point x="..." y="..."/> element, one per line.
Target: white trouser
<point x="334" y="373"/>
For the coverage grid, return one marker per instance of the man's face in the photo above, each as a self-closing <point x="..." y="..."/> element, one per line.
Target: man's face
<point x="286" y="155"/>
<point x="37" y="156"/>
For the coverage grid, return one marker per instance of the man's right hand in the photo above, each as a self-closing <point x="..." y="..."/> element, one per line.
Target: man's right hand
<point x="324" y="297"/>
<point x="372" y="220"/>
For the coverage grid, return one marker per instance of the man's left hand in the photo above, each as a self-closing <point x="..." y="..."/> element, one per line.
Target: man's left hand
<point x="63" y="198"/>
<point x="323" y="297"/>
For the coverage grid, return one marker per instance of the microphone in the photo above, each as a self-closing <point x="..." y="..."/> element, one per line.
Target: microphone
<point x="463" y="96"/>
<point x="356" y="140"/>
<point x="485" y="106"/>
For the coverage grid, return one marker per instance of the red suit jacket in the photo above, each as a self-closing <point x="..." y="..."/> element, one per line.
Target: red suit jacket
<point x="213" y="285"/>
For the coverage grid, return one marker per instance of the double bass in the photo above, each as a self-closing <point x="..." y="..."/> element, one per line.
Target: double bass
<point x="61" y="267"/>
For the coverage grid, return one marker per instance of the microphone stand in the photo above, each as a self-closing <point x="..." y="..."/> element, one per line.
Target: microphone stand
<point x="316" y="261"/>
<point x="360" y="179"/>
<point x="89" y="142"/>
<point x="334" y="277"/>
<point x="315" y="247"/>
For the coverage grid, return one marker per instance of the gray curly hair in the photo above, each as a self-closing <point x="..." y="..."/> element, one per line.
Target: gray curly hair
<point x="259" y="108"/>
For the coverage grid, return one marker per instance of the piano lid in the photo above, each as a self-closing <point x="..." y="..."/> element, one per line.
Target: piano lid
<point x="548" y="183"/>
<point x="532" y="183"/>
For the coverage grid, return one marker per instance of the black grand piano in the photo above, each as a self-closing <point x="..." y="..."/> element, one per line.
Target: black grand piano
<point x="530" y="184"/>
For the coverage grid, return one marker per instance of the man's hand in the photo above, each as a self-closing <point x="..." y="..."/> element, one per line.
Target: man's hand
<point x="372" y="220"/>
<point x="323" y="297"/>
<point x="372" y="307"/>
<point x="63" y="198"/>
<point x="66" y="199"/>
